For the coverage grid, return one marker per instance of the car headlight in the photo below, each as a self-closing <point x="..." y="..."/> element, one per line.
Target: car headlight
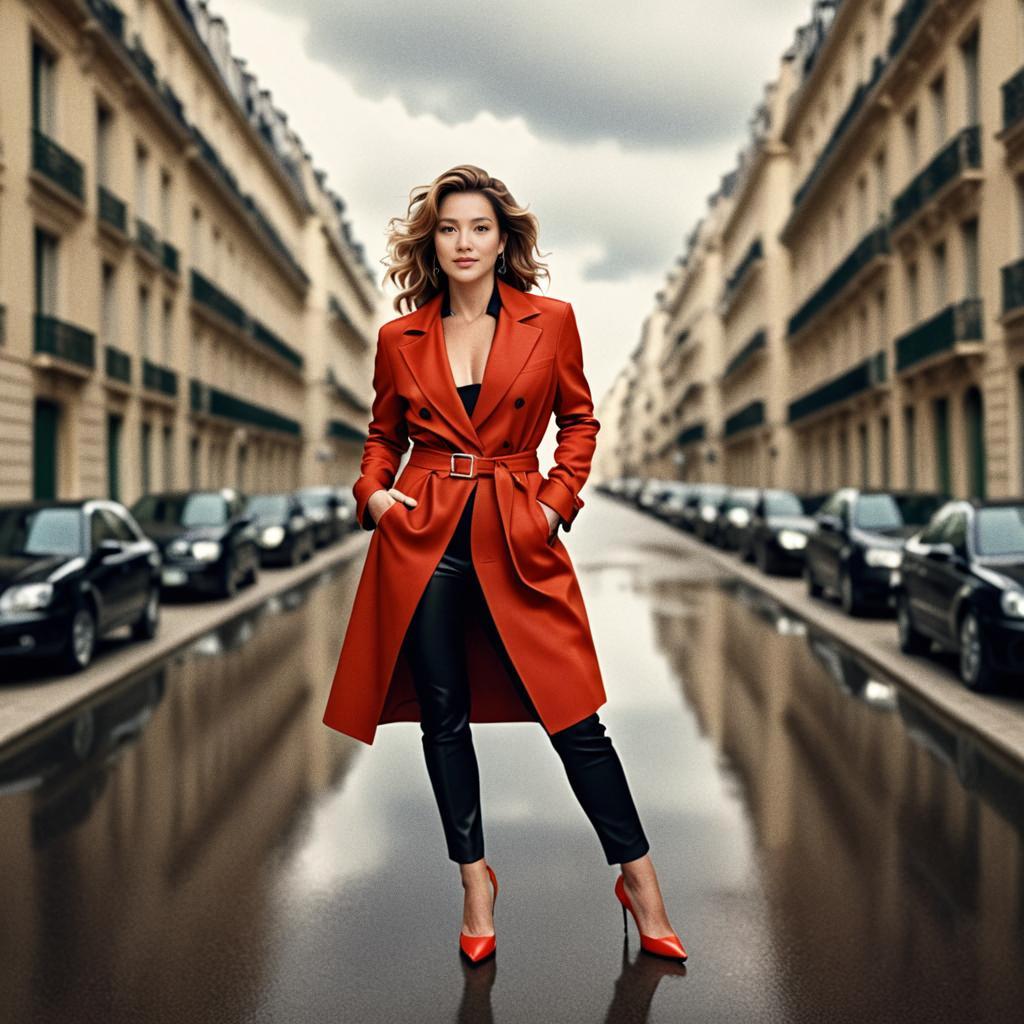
<point x="708" y="513"/>
<point x="1012" y="603"/>
<point x="739" y="516"/>
<point x="273" y="535"/>
<point x="178" y="547"/>
<point x="888" y="558"/>
<point x="206" y="550"/>
<point x="792" y="540"/>
<point x="26" y="597"/>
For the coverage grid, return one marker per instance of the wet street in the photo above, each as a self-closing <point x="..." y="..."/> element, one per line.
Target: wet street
<point x="204" y="849"/>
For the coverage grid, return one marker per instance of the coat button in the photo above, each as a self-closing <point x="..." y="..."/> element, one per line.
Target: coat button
<point x="506" y="444"/>
<point x="425" y="413"/>
<point x="520" y="402"/>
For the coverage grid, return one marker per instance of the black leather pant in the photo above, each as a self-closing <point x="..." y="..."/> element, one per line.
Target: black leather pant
<point x="436" y="648"/>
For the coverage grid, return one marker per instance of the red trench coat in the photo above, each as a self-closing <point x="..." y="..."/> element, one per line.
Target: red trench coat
<point x="534" y="367"/>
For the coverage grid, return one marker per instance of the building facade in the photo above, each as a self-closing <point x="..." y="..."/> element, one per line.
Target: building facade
<point x="182" y="303"/>
<point x="887" y="176"/>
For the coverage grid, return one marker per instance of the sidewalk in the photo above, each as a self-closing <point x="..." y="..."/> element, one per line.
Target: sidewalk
<point x="29" y="699"/>
<point x="997" y="720"/>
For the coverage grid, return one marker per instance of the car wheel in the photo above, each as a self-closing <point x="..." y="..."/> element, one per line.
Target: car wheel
<point x="911" y="641"/>
<point x="81" y="641"/>
<point x="229" y="585"/>
<point x="975" y="671"/>
<point x="813" y="586"/>
<point x="848" y="597"/>
<point x="146" y="625"/>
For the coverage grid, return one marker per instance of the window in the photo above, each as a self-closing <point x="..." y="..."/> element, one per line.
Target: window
<point x="913" y="294"/>
<point x="141" y="175"/>
<point x="144" y="321"/>
<point x="167" y="332"/>
<point x="46" y="272"/>
<point x="883" y="444"/>
<point x="165" y="203"/>
<point x="863" y="216"/>
<point x="881" y="186"/>
<point x="941" y="282"/>
<point x="196" y="240"/>
<point x="117" y="526"/>
<point x="108" y="304"/>
<point x="955" y="532"/>
<point x="937" y="91"/>
<point x="969" y="56"/>
<point x="104" y="131"/>
<point x="932" y="533"/>
<point x="910" y="441"/>
<point x="910" y="134"/>
<point x="44" y="85"/>
<point x="972" y="273"/>
<point x="999" y="530"/>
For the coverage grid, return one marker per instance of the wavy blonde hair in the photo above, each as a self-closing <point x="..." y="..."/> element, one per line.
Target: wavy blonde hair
<point x="411" y="254"/>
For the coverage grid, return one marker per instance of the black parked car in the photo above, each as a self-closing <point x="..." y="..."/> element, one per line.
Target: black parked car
<point x="734" y="516"/>
<point x="777" y="535"/>
<point x="283" y="532"/>
<point x="709" y="505"/>
<point x="856" y="543"/>
<point x="206" y="538"/>
<point x="693" y="501"/>
<point x="321" y="506"/>
<point x="71" y="571"/>
<point x="961" y="584"/>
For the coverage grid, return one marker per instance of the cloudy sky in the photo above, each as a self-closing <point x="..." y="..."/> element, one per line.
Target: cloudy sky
<point x="612" y="122"/>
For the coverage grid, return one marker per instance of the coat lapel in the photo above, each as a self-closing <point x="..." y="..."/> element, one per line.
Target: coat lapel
<point x="426" y="356"/>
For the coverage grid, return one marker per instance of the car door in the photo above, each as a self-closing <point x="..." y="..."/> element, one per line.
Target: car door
<point x="107" y="569"/>
<point x="947" y="575"/>
<point x="137" y="568"/>
<point x="918" y="575"/>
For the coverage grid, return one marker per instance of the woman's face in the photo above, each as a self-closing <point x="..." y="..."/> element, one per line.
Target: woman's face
<point x="467" y="231"/>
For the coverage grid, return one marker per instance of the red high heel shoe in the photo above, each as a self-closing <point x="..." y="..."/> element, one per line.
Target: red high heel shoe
<point x="666" y="945"/>
<point x="480" y="947"/>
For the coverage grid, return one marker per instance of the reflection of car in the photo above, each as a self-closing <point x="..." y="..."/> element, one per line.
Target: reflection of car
<point x="320" y="505"/>
<point x="206" y="538"/>
<point x="71" y="571"/>
<point x="961" y="584"/>
<point x="734" y="516"/>
<point x="283" y="533"/>
<point x="777" y="534"/>
<point x="857" y="540"/>
<point x="94" y="733"/>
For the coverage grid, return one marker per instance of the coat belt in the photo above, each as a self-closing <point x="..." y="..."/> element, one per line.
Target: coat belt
<point x="470" y="465"/>
<point x="502" y="467"/>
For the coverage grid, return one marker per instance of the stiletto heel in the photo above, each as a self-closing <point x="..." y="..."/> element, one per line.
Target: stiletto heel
<point x="479" y="947"/>
<point x="668" y="946"/>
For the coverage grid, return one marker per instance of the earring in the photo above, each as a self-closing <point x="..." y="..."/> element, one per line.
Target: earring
<point x="504" y="266"/>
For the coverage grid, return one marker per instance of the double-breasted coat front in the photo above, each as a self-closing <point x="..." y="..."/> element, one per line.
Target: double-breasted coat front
<point x="534" y="367"/>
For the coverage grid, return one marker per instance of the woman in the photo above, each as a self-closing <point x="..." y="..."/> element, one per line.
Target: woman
<point x="468" y="607"/>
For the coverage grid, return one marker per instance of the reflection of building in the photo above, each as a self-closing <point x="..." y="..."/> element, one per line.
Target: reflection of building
<point x="181" y="300"/>
<point x="894" y="139"/>
<point x="875" y="861"/>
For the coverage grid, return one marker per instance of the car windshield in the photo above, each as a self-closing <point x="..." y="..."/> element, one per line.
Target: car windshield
<point x="782" y="503"/>
<point x="203" y="509"/>
<point x="742" y="499"/>
<point x="40" y="531"/>
<point x="268" y="505"/>
<point x="1000" y="531"/>
<point x="315" y="499"/>
<point x="888" y="511"/>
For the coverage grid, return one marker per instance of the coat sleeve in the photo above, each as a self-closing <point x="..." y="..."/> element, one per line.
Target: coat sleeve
<point x="387" y="438"/>
<point x="577" y="427"/>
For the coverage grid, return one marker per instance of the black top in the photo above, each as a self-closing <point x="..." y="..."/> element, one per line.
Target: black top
<point x="493" y="305"/>
<point x="469" y="393"/>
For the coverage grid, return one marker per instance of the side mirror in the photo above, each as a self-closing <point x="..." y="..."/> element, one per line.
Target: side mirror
<point x="942" y="552"/>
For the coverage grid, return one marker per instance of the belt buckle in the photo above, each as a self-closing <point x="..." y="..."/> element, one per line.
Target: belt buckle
<point x="472" y="464"/>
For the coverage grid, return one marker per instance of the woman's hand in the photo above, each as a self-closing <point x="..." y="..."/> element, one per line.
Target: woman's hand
<point x="551" y="515"/>
<point x="381" y="500"/>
